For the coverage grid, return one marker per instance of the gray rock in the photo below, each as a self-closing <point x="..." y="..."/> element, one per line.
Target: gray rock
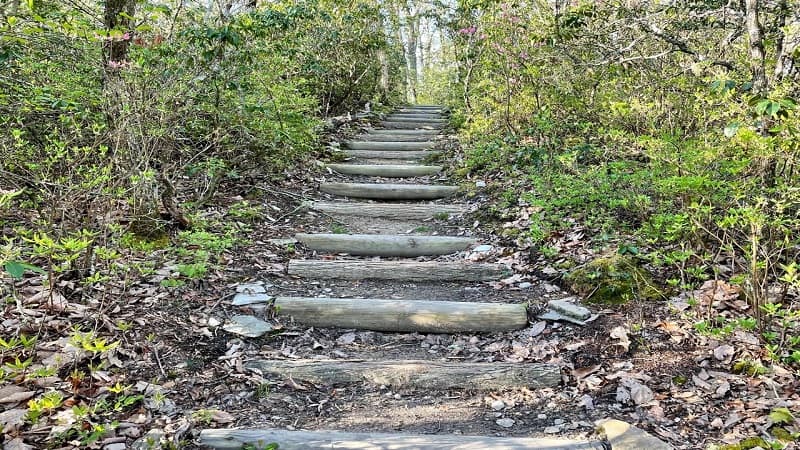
<point x="505" y="423"/>
<point x="247" y="298"/>
<point x="150" y="441"/>
<point x="247" y="326"/>
<point x="115" y="446"/>
<point x="498" y="405"/>
<point x="552" y="430"/>
<point x="482" y="248"/>
<point x="568" y="308"/>
<point x="251" y="288"/>
<point x="480" y="184"/>
<point x="554" y="316"/>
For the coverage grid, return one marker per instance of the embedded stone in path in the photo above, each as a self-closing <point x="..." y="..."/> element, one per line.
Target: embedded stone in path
<point x="247" y="326"/>
<point x="397" y="270"/>
<point x="385" y="170"/>
<point x="234" y="439"/>
<point x="391" y="146"/>
<point x="404" y="316"/>
<point x="402" y="211"/>
<point x="395" y="124"/>
<point x="385" y="245"/>
<point x="386" y="191"/>
<point x="426" y="375"/>
<point x="408" y="155"/>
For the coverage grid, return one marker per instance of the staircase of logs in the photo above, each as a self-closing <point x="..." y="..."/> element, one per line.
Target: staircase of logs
<point x="397" y="150"/>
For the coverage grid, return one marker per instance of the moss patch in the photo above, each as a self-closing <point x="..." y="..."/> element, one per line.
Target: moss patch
<point x="613" y="279"/>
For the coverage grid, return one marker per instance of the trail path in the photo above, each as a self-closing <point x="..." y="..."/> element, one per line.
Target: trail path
<point x="394" y="271"/>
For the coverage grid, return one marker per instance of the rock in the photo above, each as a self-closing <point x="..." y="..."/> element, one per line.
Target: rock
<point x="251" y="288"/>
<point x="150" y="441"/>
<point x="524" y="285"/>
<point x="541" y="416"/>
<point x="213" y="322"/>
<point x="568" y="308"/>
<point x="346" y="339"/>
<point x="480" y="184"/>
<point x="12" y="419"/>
<point x="115" y="446"/>
<point x="247" y="326"/>
<point x="246" y="298"/>
<point x="552" y="430"/>
<point x="505" y="423"/>
<point x="624" y="436"/>
<point x="482" y="248"/>
<point x="558" y="422"/>
<point x="498" y="405"/>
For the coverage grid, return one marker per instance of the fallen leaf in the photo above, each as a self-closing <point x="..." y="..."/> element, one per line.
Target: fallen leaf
<point x="724" y="352"/>
<point x="622" y="334"/>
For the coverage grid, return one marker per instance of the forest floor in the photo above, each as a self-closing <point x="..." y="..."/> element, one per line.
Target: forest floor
<point x="641" y="362"/>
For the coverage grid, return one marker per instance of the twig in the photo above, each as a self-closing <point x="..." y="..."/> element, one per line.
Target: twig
<point x="158" y="361"/>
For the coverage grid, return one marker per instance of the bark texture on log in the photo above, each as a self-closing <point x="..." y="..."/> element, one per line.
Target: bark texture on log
<point x="385" y="170"/>
<point x="235" y="439"/>
<point x="417" y="374"/>
<point x="411" y="125"/>
<point x="386" y="191"/>
<point x="397" y="270"/>
<point x="389" y="146"/>
<point x="404" y="316"/>
<point x="407" y="155"/>
<point x="385" y="245"/>
<point x="388" y="210"/>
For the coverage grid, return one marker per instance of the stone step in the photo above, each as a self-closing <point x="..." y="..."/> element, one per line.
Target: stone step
<point x="386" y="191"/>
<point x="407" y="155"/>
<point x="403" y="316"/>
<point x="385" y="170"/>
<point x="396" y="118"/>
<point x="389" y="146"/>
<point x="385" y="245"/>
<point x="399" y="211"/>
<point x="399" y="125"/>
<point x="398" y="270"/>
<point x="428" y="375"/>
<point x="235" y="439"/>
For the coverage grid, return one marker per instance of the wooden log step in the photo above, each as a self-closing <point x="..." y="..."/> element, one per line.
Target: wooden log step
<point x="385" y="245"/>
<point x="378" y="131"/>
<point x="391" y="146"/>
<point x="236" y="439"/>
<point x="385" y="137"/>
<point x="385" y="170"/>
<point x="386" y="191"/>
<point x="408" y="155"/>
<point x="394" y="118"/>
<point x="403" y="316"/>
<point x="393" y="124"/>
<point x="397" y="270"/>
<point x="416" y="373"/>
<point x="418" y="115"/>
<point x="400" y="211"/>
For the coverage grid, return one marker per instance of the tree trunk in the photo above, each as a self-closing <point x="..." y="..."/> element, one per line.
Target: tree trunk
<point x="787" y="43"/>
<point x="755" y="34"/>
<point x="384" y="79"/>
<point x="411" y="53"/>
<point x="117" y="17"/>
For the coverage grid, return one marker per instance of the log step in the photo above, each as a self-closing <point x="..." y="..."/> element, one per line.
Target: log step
<point x="394" y="118"/>
<point x="386" y="137"/>
<point x="417" y="374"/>
<point x="407" y="155"/>
<point x="403" y="316"/>
<point x="385" y="191"/>
<point x="418" y="115"/>
<point x="401" y="211"/>
<point x="385" y="170"/>
<point x="378" y="131"/>
<point x="392" y="146"/>
<point x="398" y="270"/>
<point x="236" y="439"/>
<point x="394" y="124"/>
<point x="385" y="245"/>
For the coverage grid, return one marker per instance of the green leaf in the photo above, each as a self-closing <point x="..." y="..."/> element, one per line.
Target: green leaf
<point x="781" y="415"/>
<point x="16" y="269"/>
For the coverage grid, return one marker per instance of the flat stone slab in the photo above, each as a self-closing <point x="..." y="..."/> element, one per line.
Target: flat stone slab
<point x="568" y="308"/>
<point x="247" y="326"/>
<point x="246" y="298"/>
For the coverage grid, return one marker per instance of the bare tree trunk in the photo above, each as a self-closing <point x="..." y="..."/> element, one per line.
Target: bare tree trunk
<point x="756" y="36"/>
<point x="384" y="79"/>
<point x="117" y="17"/>
<point x="411" y="52"/>
<point x="787" y="43"/>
